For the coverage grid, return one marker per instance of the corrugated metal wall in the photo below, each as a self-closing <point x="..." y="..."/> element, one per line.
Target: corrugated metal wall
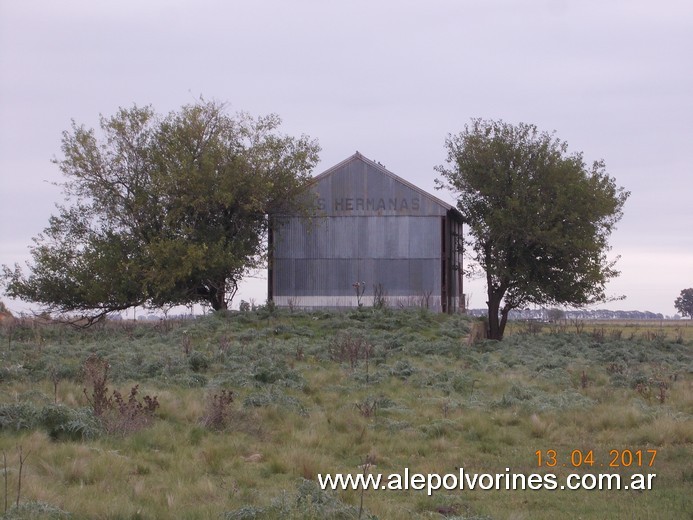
<point x="374" y="229"/>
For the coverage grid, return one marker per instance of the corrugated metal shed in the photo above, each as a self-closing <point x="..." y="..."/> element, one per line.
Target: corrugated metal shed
<point x="374" y="228"/>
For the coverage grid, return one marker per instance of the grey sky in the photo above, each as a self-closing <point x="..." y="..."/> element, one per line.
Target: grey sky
<point x="388" y="78"/>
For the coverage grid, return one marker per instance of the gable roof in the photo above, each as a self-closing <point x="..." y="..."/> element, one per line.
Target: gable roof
<point x="379" y="167"/>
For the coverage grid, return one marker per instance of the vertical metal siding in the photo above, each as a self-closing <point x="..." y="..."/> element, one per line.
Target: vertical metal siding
<point x="375" y="230"/>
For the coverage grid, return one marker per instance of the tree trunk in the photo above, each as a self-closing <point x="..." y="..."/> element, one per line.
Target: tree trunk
<point x="219" y="303"/>
<point x="495" y="296"/>
<point x="504" y="319"/>
<point x="495" y="327"/>
<point x="217" y="296"/>
<point x="497" y="316"/>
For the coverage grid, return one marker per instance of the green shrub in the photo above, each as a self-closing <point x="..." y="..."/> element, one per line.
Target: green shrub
<point x="274" y="398"/>
<point x="64" y="423"/>
<point x="154" y="368"/>
<point x="463" y="384"/>
<point x="198" y="362"/>
<point x="270" y="372"/>
<point x="19" y="416"/>
<point x="439" y="428"/>
<point x="35" y="511"/>
<point x="402" y="369"/>
<point x="309" y="503"/>
<point x="189" y="380"/>
<point x="10" y="373"/>
<point x="59" y="370"/>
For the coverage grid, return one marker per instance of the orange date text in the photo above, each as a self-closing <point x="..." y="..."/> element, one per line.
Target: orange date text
<point x="625" y="458"/>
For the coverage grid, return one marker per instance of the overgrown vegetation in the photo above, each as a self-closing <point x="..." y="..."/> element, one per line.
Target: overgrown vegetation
<point x="116" y="414"/>
<point x="250" y="407"/>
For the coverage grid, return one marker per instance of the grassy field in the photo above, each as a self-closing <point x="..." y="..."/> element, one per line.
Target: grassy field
<point x="361" y="392"/>
<point x="670" y="330"/>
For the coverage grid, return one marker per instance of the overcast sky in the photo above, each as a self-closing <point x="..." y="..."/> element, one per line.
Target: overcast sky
<point x="387" y="78"/>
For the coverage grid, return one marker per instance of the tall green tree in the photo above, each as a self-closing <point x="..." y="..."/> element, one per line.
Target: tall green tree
<point x="163" y="210"/>
<point x="684" y="303"/>
<point x="538" y="217"/>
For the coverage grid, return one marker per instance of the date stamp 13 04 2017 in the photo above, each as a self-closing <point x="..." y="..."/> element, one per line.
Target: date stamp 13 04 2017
<point x="615" y="458"/>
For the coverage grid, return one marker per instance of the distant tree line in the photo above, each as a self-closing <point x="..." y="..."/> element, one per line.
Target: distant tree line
<point x="580" y="314"/>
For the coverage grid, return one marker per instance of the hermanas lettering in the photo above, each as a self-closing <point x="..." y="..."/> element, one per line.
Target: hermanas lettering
<point x="370" y="204"/>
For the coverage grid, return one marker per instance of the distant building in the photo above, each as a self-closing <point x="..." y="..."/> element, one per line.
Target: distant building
<point x="376" y="234"/>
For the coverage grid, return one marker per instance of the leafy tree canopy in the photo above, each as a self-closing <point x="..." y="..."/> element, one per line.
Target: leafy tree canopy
<point x="163" y="210"/>
<point x="684" y="303"/>
<point x="538" y="217"/>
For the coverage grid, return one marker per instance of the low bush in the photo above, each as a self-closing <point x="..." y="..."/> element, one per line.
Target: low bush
<point x="64" y="423"/>
<point x="198" y="362"/>
<point x="34" y="510"/>
<point x="218" y="411"/>
<point x="274" y="398"/>
<point x="402" y="369"/>
<point x="117" y="414"/>
<point x="276" y="372"/>
<point x="308" y="503"/>
<point x="58" y="421"/>
<point x="18" y="416"/>
<point x="350" y="348"/>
